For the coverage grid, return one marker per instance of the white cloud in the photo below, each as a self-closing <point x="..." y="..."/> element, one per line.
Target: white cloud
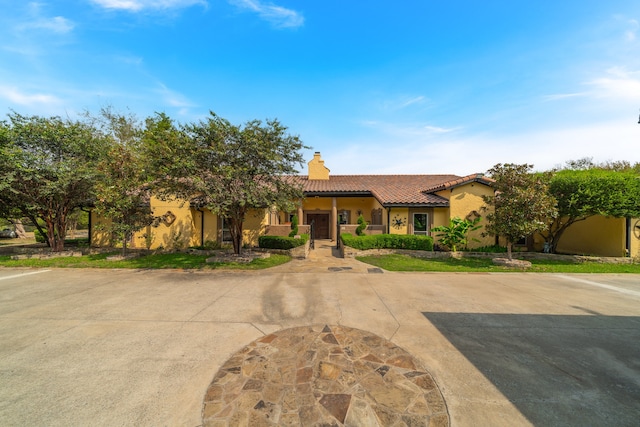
<point x="16" y="96"/>
<point x="278" y="16"/>
<point x="57" y="24"/>
<point x="36" y="20"/>
<point x="138" y="5"/>
<point x="416" y="100"/>
<point x="403" y="102"/>
<point x="173" y="98"/>
<point x="462" y="154"/>
<point x="632" y="33"/>
<point x="406" y="130"/>
<point x="558" y="96"/>
<point x="436" y="129"/>
<point x="617" y="83"/>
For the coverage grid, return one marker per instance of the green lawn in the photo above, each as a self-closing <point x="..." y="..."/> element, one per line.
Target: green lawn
<point x="406" y="263"/>
<point x="168" y="260"/>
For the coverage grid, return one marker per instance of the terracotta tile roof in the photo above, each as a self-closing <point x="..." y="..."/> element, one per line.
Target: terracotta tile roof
<point x="390" y="190"/>
<point x="476" y="177"/>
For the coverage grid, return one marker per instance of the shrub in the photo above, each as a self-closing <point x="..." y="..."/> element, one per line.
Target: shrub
<point x="388" y="241"/>
<point x="211" y="245"/>
<point x="362" y="225"/>
<point x="294" y="226"/>
<point x="40" y="238"/>
<point x="454" y="235"/>
<point x="281" y="242"/>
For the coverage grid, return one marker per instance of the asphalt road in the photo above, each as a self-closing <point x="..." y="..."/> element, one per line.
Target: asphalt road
<point x="118" y="347"/>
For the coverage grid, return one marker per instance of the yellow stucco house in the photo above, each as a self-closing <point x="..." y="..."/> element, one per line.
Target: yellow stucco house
<point x="395" y="204"/>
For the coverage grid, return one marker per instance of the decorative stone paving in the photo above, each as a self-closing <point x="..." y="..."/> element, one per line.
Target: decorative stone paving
<point x="323" y="376"/>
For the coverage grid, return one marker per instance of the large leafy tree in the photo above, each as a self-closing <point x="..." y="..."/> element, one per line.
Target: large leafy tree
<point x="521" y="204"/>
<point x="6" y="172"/>
<point x="591" y="191"/>
<point x="231" y="169"/>
<point x="122" y="193"/>
<point x="48" y="167"/>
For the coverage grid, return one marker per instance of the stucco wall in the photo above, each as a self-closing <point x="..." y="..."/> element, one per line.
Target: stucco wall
<point x="254" y="226"/>
<point x="99" y="235"/>
<point x="355" y="204"/>
<point x="464" y="200"/>
<point x="179" y="234"/>
<point x="440" y="217"/>
<point x="185" y="230"/>
<point x="211" y="226"/>
<point x="401" y="214"/>
<point x="635" y="241"/>
<point x="596" y="235"/>
<point x="316" y="203"/>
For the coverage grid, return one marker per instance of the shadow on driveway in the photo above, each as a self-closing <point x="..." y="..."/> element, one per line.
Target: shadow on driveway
<point x="556" y="369"/>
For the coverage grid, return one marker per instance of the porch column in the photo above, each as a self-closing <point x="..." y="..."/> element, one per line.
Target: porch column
<point x="334" y="219"/>
<point x="300" y="215"/>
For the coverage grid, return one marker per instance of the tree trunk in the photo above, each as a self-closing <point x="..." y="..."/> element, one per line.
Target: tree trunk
<point x="509" y="255"/>
<point x="236" y="235"/>
<point x="51" y="235"/>
<point x="41" y="230"/>
<point x="557" y="229"/>
<point x="61" y="232"/>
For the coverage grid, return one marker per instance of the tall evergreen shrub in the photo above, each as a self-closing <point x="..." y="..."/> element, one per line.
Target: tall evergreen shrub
<point x="294" y="226"/>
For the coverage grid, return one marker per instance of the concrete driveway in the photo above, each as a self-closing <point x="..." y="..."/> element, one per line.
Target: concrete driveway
<point x="118" y="347"/>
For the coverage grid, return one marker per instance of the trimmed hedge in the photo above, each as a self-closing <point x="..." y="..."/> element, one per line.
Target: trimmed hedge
<point x="282" y="242"/>
<point x="388" y="241"/>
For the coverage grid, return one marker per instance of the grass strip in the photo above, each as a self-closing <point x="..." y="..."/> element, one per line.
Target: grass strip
<point x="397" y="262"/>
<point x="155" y="261"/>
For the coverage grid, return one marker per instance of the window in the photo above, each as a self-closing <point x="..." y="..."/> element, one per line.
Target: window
<point x="376" y="216"/>
<point x="420" y="224"/>
<point x="343" y="217"/>
<point x="521" y="242"/>
<point x="226" y="234"/>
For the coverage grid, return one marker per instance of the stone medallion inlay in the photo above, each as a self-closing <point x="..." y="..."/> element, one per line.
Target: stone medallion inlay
<point x="323" y="376"/>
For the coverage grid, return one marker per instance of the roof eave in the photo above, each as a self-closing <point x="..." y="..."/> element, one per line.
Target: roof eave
<point x="337" y="194"/>
<point x="416" y="205"/>
<point x="479" y="178"/>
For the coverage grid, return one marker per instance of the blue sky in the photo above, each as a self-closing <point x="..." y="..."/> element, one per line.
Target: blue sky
<point x="377" y="87"/>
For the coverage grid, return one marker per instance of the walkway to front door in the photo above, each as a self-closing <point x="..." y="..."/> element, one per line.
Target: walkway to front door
<point x="324" y="257"/>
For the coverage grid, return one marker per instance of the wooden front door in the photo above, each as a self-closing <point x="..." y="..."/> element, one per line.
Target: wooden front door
<point x="320" y="225"/>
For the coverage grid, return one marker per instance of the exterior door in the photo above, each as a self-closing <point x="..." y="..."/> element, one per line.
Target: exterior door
<point x="320" y="225"/>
